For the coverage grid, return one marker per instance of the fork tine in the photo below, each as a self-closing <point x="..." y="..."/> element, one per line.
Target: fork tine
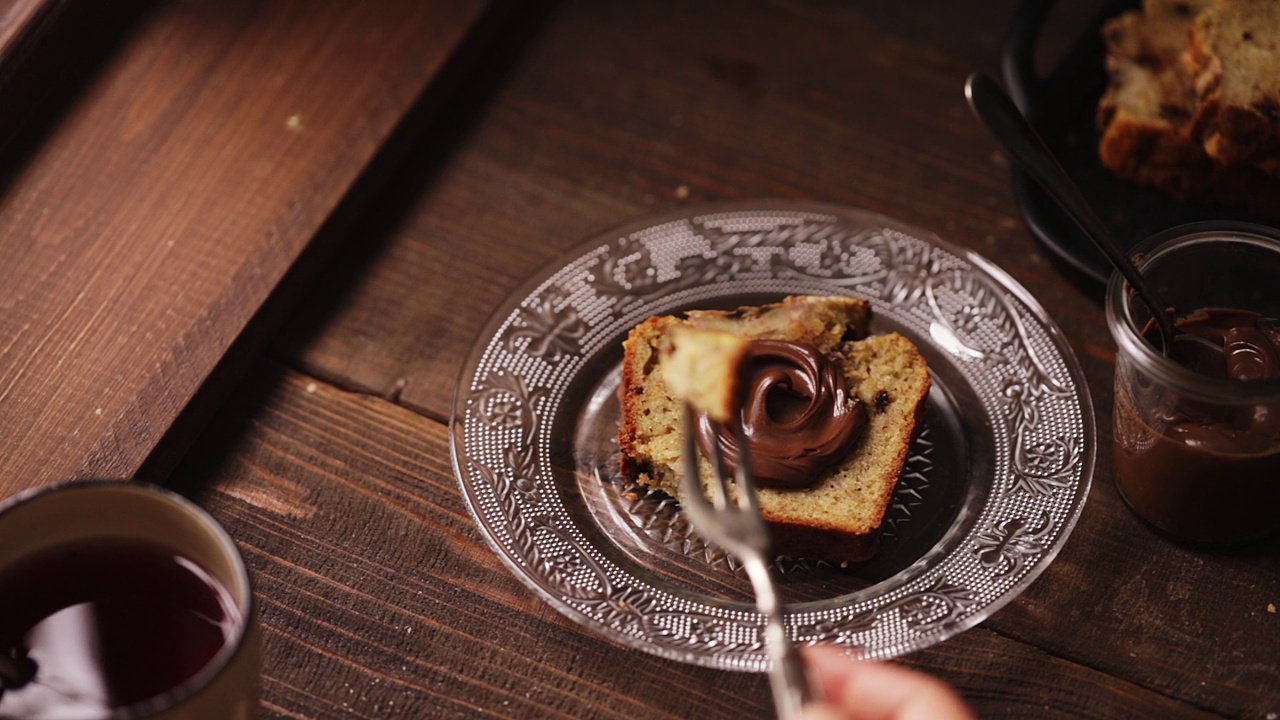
<point x="720" y="493"/>
<point x="742" y="476"/>
<point x="689" y="454"/>
<point x="692" y="480"/>
<point x="720" y="490"/>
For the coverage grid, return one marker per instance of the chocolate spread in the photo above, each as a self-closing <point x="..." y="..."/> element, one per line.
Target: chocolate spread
<point x="1206" y="472"/>
<point x="797" y="415"/>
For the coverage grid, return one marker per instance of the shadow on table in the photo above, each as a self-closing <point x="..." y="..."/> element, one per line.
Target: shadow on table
<point x="375" y="206"/>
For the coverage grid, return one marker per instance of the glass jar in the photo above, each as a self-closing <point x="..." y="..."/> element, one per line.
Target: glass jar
<point x="1197" y="455"/>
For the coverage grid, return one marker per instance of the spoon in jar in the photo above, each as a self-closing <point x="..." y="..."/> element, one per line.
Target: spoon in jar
<point x="1002" y="118"/>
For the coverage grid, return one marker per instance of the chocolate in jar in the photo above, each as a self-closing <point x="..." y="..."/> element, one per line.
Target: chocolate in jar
<point x="1205" y="472"/>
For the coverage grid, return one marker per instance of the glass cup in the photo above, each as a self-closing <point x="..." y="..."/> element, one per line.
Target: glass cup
<point x="152" y="579"/>
<point x="1197" y="455"/>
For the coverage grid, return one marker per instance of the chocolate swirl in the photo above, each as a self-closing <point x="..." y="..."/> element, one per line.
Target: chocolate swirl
<point x="797" y="415"/>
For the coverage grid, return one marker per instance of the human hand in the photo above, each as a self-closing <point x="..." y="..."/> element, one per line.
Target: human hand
<point x="848" y="689"/>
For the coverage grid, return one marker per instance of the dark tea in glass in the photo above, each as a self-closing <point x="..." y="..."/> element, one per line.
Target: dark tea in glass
<point x="95" y="625"/>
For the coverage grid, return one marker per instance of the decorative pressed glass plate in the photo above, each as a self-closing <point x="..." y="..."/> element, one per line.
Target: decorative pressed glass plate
<point x="993" y="485"/>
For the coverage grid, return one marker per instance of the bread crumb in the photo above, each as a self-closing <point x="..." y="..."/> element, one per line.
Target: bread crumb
<point x="1271" y="608"/>
<point x="682" y="191"/>
<point x="293" y="123"/>
<point x="311" y="387"/>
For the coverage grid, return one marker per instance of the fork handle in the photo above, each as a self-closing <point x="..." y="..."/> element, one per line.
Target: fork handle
<point x="787" y="678"/>
<point x="786" y="675"/>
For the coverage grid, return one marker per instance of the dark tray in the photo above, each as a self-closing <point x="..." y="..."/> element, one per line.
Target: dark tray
<point x="1061" y="105"/>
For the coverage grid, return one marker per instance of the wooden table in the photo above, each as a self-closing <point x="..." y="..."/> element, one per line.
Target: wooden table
<point x="332" y="378"/>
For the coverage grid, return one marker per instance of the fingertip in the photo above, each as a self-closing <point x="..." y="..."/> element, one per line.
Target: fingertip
<point x="820" y="711"/>
<point x="826" y="667"/>
<point x="864" y="688"/>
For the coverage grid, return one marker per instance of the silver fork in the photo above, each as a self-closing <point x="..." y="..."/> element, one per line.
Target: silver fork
<point x="740" y="530"/>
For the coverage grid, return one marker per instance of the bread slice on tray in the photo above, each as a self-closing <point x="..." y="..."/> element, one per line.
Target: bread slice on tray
<point x="1233" y="49"/>
<point x="1152" y="117"/>
<point x="838" y="515"/>
<point x="1150" y="100"/>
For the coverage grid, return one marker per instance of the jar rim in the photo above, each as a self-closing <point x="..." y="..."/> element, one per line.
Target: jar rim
<point x="1128" y="335"/>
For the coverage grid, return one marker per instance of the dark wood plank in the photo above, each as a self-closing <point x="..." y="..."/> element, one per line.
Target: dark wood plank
<point x="164" y="207"/>
<point x="47" y="49"/>
<point x="619" y="109"/>
<point x="1199" y="626"/>
<point x="19" y="20"/>
<point x="379" y="598"/>
<point x="22" y="24"/>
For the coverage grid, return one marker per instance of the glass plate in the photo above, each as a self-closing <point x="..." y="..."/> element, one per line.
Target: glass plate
<point x="994" y="483"/>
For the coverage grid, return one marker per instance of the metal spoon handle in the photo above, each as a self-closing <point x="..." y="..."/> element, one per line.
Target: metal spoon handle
<point x="997" y="111"/>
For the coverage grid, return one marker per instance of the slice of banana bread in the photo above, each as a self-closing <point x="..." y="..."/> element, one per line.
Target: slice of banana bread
<point x="703" y="368"/>
<point x="1233" y="49"/>
<point x="1152" y="119"/>
<point x="1145" y="113"/>
<point x="837" y="515"/>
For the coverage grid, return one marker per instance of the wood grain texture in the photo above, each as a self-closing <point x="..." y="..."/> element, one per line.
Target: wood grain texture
<point x="163" y="207"/>
<point x="615" y="112"/>
<point x="48" y="48"/>
<point x="618" y="109"/>
<point x="380" y="599"/>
